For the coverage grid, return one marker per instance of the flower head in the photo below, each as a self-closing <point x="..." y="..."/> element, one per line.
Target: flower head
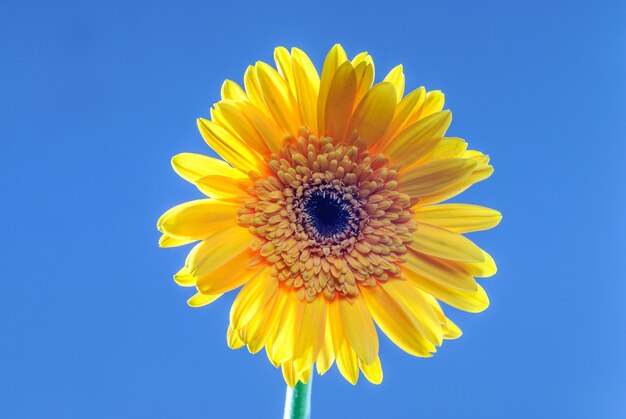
<point x="326" y="209"/>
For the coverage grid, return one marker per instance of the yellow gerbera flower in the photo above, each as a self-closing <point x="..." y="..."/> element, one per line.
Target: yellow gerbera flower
<point x="324" y="210"/>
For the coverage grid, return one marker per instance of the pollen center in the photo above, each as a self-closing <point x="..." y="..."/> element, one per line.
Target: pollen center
<point x="329" y="214"/>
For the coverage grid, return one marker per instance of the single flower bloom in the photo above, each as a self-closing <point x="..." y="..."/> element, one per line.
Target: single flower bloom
<point x="326" y="210"/>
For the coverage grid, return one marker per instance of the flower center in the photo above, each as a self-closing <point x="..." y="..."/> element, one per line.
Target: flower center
<point x="328" y="216"/>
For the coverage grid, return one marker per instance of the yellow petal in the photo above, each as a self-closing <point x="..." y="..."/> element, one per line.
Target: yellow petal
<point x="407" y="106"/>
<point x="413" y="301"/>
<point x="473" y="301"/>
<point x="361" y="57"/>
<point x="184" y="278"/>
<point x="270" y="134"/>
<point x="253" y="89"/>
<point x="448" y="148"/>
<point x="445" y="273"/>
<point x="278" y="98"/>
<point x="232" y="339"/>
<point x="482" y="172"/>
<point x="289" y="374"/>
<point x="418" y="140"/>
<point x="229" y="276"/>
<point x="284" y="341"/>
<point x="252" y="330"/>
<point x="364" y="71"/>
<point x="269" y="356"/>
<point x="445" y="244"/>
<point x="224" y="187"/>
<point x="395" y="322"/>
<point x="285" y="67"/>
<point x="196" y="220"/>
<point x="373" y="372"/>
<point x="199" y="300"/>
<point x="307" y="83"/>
<point x="326" y="356"/>
<point x="450" y="330"/>
<point x="483" y="269"/>
<point x="434" y="103"/>
<point x="272" y="316"/>
<point x="304" y="376"/>
<point x="233" y="116"/>
<point x="192" y="167"/>
<point x="218" y="249"/>
<point x="229" y="147"/>
<point x="479" y="173"/>
<point x="311" y="334"/>
<point x="252" y="297"/>
<point x="396" y="77"/>
<point x="477" y="156"/>
<point x="336" y="57"/>
<point x="373" y="115"/>
<point x="460" y="218"/>
<point x="167" y="241"/>
<point x="348" y="363"/>
<point x="347" y="360"/>
<point x="232" y="91"/>
<point x="453" y="332"/>
<point x="338" y="107"/>
<point x="431" y="178"/>
<point x="359" y="328"/>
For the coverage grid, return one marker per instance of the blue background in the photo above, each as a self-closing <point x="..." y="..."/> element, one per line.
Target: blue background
<point x="95" y="99"/>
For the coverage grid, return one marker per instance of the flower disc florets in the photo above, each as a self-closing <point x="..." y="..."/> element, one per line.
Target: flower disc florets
<point x="328" y="217"/>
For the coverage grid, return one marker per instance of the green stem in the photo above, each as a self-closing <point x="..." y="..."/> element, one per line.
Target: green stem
<point x="298" y="401"/>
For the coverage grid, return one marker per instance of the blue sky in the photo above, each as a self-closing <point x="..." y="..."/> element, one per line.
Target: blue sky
<point x="97" y="97"/>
